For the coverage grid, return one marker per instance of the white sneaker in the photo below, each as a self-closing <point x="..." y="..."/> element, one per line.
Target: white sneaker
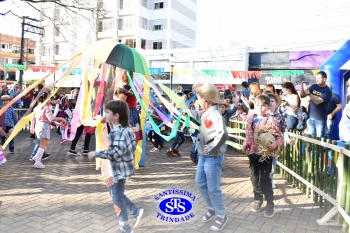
<point x="138" y="218"/>
<point x="39" y="165"/>
<point x="154" y="150"/>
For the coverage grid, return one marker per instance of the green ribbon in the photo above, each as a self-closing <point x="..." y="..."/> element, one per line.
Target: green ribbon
<point x="154" y="125"/>
<point x="17" y="66"/>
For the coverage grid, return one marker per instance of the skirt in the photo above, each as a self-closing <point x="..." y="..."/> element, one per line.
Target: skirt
<point x="42" y="130"/>
<point x="135" y="123"/>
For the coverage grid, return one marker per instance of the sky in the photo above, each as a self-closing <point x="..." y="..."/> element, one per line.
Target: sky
<point x="261" y="25"/>
<point x="273" y="24"/>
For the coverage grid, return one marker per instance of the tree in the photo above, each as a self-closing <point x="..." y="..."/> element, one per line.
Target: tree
<point x="66" y="11"/>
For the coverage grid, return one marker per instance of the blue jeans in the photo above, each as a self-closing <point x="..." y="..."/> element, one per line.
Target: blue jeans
<point x="12" y="142"/>
<point x="329" y="129"/>
<point x="208" y="176"/>
<point x="179" y="139"/>
<point x="36" y="148"/>
<point x="292" y="122"/>
<point x="125" y="205"/>
<point x="316" y="127"/>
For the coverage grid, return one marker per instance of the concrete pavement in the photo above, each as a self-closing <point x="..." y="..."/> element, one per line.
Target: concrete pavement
<point x="69" y="195"/>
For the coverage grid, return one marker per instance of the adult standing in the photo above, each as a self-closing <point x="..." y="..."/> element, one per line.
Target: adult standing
<point x="245" y="93"/>
<point x="344" y="124"/>
<point x="319" y="94"/>
<point x="125" y="93"/>
<point x="15" y="91"/>
<point x="28" y="98"/>
<point x="334" y="106"/>
<point x="291" y="105"/>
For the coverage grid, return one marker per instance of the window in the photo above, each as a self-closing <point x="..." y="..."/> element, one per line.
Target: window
<point x="57" y="31"/>
<point x="15" y="61"/>
<point x="106" y="25"/>
<point x="157" y="27"/>
<point x="144" y="23"/>
<point x="46" y="51"/>
<point x="143" y="44"/>
<point x="158" y="5"/>
<point x="57" y="13"/>
<point x="127" y="23"/>
<point x="145" y="3"/>
<point x="157" y="45"/>
<point x="31" y="51"/>
<point x="4" y="46"/>
<point x="131" y="43"/>
<point x="57" y="48"/>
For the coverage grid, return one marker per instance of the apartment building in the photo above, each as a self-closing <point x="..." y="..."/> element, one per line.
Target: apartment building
<point x="10" y="47"/>
<point x="149" y="24"/>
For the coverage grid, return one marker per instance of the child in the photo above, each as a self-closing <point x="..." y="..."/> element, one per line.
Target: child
<point x="62" y="109"/>
<point x="226" y="110"/>
<point x="10" y="122"/>
<point x="42" y="121"/>
<point x="240" y="115"/>
<point x="260" y="164"/>
<point x="179" y="139"/>
<point x="275" y="102"/>
<point x="211" y="148"/>
<point x="121" y="154"/>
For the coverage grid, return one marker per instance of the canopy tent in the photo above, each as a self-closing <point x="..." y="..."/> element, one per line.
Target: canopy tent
<point x="346" y="66"/>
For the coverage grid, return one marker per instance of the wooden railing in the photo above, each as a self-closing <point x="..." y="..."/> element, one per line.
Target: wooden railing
<point x="320" y="169"/>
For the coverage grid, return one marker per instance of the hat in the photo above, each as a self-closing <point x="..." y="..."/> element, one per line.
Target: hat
<point x="224" y="102"/>
<point x="5" y="97"/>
<point x="208" y="91"/>
<point x="277" y="98"/>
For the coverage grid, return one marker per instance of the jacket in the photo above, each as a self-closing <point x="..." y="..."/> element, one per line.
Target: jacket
<point x="212" y="131"/>
<point x="120" y="153"/>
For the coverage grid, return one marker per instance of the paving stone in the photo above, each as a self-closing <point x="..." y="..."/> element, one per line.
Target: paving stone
<point x="69" y="195"/>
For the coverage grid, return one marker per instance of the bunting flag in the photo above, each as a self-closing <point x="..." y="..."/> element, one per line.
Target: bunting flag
<point x="283" y="73"/>
<point x="217" y="73"/>
<point x="314" y="72"/>
<point x="246" y="74"/>
<point x="15" y="66"/>
<point x="43" y="69"/>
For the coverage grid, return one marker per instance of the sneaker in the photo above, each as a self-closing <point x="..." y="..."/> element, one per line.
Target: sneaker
<point x="176" y="151"/>
<point x="45" y="156"/>
<point x="219" y="223"/>
<point x="72" y="152"/>
<point x="32" y="159"/>
<point x="269" y="210"/>
<point x="138" y="218"/>
<point x="209" y="215"/>
<point x="32" y="136"/>
<point x="39" y="165"/>
<point x="154" y="150"/>
<point x="257" y="205"/>
<point x="170" y="153"/>
<point x="63" y="140"/>
<point x="125" y="229"/>
<point x="12" y="152"/>
<point x="86" y="152"/>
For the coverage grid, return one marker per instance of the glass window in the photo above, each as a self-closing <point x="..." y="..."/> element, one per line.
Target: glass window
<point x="158" y="5"/>
<point x="157" y="45"/>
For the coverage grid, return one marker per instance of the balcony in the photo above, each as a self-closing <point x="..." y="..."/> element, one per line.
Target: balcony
<point x="59" y="39"/>
<point x="45" y="58"/>
<point x="128" y="11"/>
<point x="61" y="57"/>
<point x="127" y="32"/>
<point x="106" y="34"/>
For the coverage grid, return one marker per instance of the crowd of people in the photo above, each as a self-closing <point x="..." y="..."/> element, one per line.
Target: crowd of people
<point x="268" y="116"/>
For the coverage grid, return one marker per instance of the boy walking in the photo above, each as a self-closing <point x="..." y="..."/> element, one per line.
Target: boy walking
<point x="260" y="160"/>
<point x="10" y="122"/>
<point x="211" y="148"/>
<point x="121" y="155"/>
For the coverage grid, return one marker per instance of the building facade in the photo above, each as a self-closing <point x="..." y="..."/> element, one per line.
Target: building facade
<point x="10" y="50"/>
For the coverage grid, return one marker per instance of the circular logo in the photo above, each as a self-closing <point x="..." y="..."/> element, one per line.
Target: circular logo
<point x="175" y="206"/>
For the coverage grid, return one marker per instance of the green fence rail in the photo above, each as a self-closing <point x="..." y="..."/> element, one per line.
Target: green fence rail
<point x="320" y="169"/>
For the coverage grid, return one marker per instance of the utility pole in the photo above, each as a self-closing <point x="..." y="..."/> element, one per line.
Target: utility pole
<point x="34" y="30"/>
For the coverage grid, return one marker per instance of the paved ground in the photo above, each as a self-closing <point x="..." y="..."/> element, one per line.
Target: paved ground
<point x="70" y="196"/>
